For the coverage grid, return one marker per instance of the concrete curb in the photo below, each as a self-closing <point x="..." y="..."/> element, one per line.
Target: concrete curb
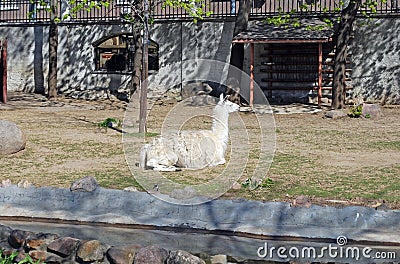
<point x="270" y="219"/>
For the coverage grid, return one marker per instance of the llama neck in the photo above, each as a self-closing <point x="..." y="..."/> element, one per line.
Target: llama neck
<point x="220" y="124"/>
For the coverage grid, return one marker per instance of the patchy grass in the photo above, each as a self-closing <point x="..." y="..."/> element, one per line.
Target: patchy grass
<point x="356" y="160"/>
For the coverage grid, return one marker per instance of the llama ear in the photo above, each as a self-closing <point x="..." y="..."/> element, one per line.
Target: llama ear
<point x="226" y="98"/>
<point x="221" y="97"/>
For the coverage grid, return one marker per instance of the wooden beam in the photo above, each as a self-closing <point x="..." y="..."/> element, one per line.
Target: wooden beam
<point x="319" y="74"/>
<point x="251" y="74"/>
<point x="4" y="70"/>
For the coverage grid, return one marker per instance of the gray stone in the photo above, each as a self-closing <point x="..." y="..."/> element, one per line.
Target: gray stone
<point x="91" y="251"/>
<point x="183" y="257"/>
<point x="371" y="110"/>
<point x="12" y="139"/>
<point x="17" y="238"/>
<point x="122" y="255"/>
<point x="24" y="184"/>
<point x="39" y="241"/>
<point x="7" y="249"/>
<point x="20" y="257"/>
<point x="219" y="259"/>
<point x="86" y="184"/>
<point x="4" y="232"/>
<point x="151" y="254"/>
<point x="65" y="246"/>
<point x="44" y="256"/>
<point x="335" y="114"/>
<point x="130" y="189"/>
<point x="302" y="201"/>
<point x="5" y="183"/>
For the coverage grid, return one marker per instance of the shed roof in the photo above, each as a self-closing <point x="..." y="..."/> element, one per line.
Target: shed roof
<point x="262" y="32"/>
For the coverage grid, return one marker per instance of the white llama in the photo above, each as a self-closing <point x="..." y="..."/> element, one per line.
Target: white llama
<point x="191" y="149"/>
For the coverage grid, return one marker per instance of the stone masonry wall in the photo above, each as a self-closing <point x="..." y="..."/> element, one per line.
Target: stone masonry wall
<point x="376" y="61"/>
<point x="375" y="49"/>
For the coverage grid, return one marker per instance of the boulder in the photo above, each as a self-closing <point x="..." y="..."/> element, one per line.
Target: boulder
<point x="12" y="139"/>
<point x="335" y="114"/>
<point x="122" y="255"/>
<point x="183" y="257"/>
<point x="65" y="246"/>
<point x="151" y="254"/>
<point x="39" y="241"/>
<point x="86" y="184"/>
<point x="17" y="238"/>
<point x="91" y="251"/>
<point x="371" y="110"/>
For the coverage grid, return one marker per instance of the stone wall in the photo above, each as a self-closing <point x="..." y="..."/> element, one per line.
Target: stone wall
<point x="376" y="61"/>
<point x="28" y="55"/>
<point x="375" y="49"/>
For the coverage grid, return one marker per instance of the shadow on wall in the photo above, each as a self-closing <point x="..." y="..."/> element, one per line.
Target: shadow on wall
<point x="77" y="63"/>
<point x="187" y="41"/>
<point x="38" y="71"/>
<point x="25" y="58"/>
<point x="376" y="59"/>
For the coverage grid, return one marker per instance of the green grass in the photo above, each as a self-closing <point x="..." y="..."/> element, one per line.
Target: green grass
<point x="11" y="259"/>
<point x="386" y="145"/>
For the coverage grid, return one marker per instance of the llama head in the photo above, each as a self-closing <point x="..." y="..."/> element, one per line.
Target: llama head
<point x="228" y="105"/>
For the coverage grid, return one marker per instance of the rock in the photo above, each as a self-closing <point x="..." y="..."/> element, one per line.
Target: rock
<point x="5" y="183"/>
<point x="236" y="186"/>
<point x="17" y="238"/>
<point x="122" y="255"/>
<point x="302" y="201"/>
<point x="183" y="257"/>
<point x="38" y="255"/>
<point x="43" y="256"/>
<point x="219" y="259"/>
<point x="335" y="114"/>
<point x="39" y="241"/>
<point x="371" y="110"/>
<point x="130" y="189"/>
<point x="4" y="232"/>
<point x="7" y="249"/>
<point x="12" y="139"/>
<point x="24" y="184"/>
<point x="151" y="254"/>
<point x="20" y="257"/>
<point x="86" y="184"/>
<point x="65" y="246"/>
<point x="91" y="251"/>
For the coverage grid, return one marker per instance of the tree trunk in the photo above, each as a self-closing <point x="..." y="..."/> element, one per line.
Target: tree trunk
<point x="53" y="44"/>
<point x="241" y="23"/>
<point x="137" y="65"/>
<point x="237" y="50"/>
<point x="342" y="42"/>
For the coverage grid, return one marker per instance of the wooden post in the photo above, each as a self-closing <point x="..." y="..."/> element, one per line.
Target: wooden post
<point x="4" y="70"/>
<point x="319" y="73"/>
<point x="251" y="74"/>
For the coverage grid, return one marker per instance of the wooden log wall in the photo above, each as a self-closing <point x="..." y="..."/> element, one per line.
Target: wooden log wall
<point x="294" y="67"/>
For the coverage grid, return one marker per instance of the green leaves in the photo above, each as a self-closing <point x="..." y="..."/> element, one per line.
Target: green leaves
<point x="110" y="122"/>
<point x="265" y="183"/>
<point x="197" y="9"/>
<point x="10" y="259"/>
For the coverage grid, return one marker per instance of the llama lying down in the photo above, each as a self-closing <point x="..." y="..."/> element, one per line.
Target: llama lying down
<point x="191" y="149"/>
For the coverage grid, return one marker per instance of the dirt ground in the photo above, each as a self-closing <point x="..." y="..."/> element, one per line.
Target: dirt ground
<point x="339" y="162"/>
